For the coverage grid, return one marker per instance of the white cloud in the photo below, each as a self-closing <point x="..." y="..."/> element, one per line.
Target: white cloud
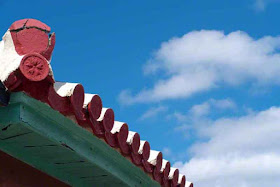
<point x="223" y="104"/>
<point x="207" y="59"/>
<point x="180" y="117"/>
<point x="200" y="114"/>
<point x="200" y="110"/>
<point x="241" y="151"/>
<point x="166" y="151"/>
<point x="260" y="5"/>
<point x="152" y="112"/>
<point x="205" y="108"/>
<point x="252" y="171"/>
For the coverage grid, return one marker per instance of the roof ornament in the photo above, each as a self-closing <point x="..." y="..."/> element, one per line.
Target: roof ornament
<point x="27" y="45"/>
<point x="25" y="56"/>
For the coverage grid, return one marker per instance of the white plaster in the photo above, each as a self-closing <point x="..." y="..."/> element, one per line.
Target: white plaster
<point x="51" y="71"/>
<point x="88" y="98"/>
<point x="188" y="184"/>
<point x="1" y="47"/>
<point x="9" y="59"/>
<point x="171" y="173"/>
<point x="164" y="162"/>
<point x="153" y="157"/>
<point x="180" y="178"/>
<point x="65" y="89"/>
<point x="130" y="137"/>
<point x="103" y="111"/>
<point x="117" y="127"/>
<point x="142" y="143"/>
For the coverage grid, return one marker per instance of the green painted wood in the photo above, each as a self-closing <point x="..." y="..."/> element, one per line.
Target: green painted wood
<point x="33" y="132"/>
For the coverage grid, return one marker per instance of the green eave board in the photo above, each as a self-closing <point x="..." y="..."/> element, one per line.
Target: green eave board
<point x="36" y="134"/>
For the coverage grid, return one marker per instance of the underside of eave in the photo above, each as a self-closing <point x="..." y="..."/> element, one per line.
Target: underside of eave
<point x="36" y="134"/>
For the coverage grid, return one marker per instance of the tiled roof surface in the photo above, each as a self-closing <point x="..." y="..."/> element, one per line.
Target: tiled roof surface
<point x="25" y="54"/>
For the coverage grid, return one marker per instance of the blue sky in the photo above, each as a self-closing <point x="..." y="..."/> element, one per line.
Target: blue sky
<point x="187" y="75"/>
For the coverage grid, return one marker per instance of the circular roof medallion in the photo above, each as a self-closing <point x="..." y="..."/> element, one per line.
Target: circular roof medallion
<point x="34" y="67"/>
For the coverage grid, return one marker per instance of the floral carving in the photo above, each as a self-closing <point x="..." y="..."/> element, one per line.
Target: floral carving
<point x="34" y="67"/>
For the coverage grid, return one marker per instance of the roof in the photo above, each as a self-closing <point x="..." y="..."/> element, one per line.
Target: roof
<point x="34" y="133"/>
<point x="25" y="67"/>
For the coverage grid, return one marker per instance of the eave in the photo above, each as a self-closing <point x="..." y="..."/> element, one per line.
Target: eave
<point x="34" y="133"/>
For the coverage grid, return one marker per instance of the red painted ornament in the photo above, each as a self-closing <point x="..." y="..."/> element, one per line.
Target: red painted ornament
<point x="48" y="52"/>
<point x="158" y="163"/>
<point x="19" y="24"/>
<point x="97" y="128"/>
<point x="61" y="104"/>
<point x="146" y="151"/>
<point x="136" y="158"/>
<point x="94" y="107"/>
<point x="32" y="36"/>
<point x="147" y="166"/>
<point x="166" y="170"/>
<point x="108" y="120"/>
<point x="111" y="139"/>
<point x="157" y="176"/>
<point x="37" y="24"/>
<point x="29" y="23"/>
<point x="135" y="143"/>
<point x="122" y="137"/>
<point x="174" y="181"/>
<point x="183" y="182"/>
<point x="34" y="67"/>
<point x="12" y="81"/>
<point x="77" y="102"/>
<point x="165" y="183"/>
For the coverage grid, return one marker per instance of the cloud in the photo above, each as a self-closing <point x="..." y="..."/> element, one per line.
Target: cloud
<point x="205" y="108"/>
<point x="200" y="110"/>
<point x="152" y="112"/>
<point x="167" y="151"/>
<point x="203" y="60"/>
<point x="253" y="171"/>
<point x="212" y="104"/>
<point x="200" y="114"/>
<point x="260" y="5"/>
<point x="223" y="104"/>
<point x="240" y="151"/>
